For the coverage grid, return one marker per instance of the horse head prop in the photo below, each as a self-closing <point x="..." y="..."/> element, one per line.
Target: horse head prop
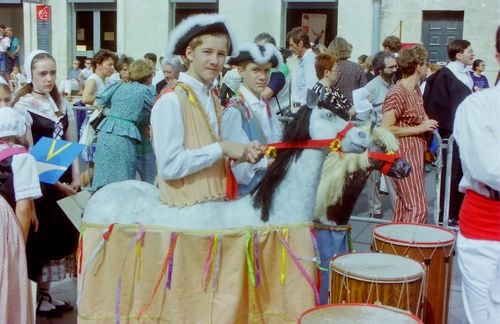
<point x="344" y="177"/>
<point x="286" y="194"/>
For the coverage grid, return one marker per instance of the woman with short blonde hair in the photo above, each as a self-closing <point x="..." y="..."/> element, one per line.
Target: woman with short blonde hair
<point x="115" y="157"/>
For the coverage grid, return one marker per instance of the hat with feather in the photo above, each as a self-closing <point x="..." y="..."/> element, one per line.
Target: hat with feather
<point x="260" y="54"/>
<point x="198" y="25"/>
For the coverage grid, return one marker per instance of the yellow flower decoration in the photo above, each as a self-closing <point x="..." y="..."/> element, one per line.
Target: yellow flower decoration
<point x="335" y="146"/>
<point x="271" y="152"/>
<point x="390" y="153"/>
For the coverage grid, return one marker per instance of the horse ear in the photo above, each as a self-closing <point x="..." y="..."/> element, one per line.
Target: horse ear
<point x="311" y="99"/>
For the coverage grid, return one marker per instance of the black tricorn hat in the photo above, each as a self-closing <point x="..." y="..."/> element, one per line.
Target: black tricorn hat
<point x="260" y="54"/>
<point x="194" y="26"/>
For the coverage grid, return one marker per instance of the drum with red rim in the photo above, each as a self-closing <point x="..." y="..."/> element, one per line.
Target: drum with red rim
<point x="376" y="278"/>
<point x="431" y="245"/>
<point x="356" y="313"/>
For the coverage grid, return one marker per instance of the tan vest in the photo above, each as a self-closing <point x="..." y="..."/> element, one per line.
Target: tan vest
<point x="208" y="183"/>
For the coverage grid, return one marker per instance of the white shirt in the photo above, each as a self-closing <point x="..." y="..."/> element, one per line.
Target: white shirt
<point x="25" y="176"/>
<point x="174" y="161"/>
<point x="4" y="44"/>
<point x="477" y="133"/>
<point x="232" y="130"/>
<point x="305" y="78"/>
<point x="461" y="72"/>
<point x="2" y="80"/>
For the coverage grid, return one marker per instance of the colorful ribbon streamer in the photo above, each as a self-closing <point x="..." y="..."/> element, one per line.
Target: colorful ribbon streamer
<point x="248" y="254"/>
<point x="138" y="239"/>
<point x="174" y="236"/>
<point x="216" y="269"/>
<point x="208" y="262"/>
<point x="316" y="250"/>
<point x="256" y="257"/>
<point x="97" y="250"/>
<point x="309" y="280"/>
<point x="170" y="263"/>
<point x="283" y="257"/>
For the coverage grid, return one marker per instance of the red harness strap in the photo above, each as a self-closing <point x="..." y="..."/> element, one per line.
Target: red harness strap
<point x="333" y="143"/>
<point x="386" y="157"/>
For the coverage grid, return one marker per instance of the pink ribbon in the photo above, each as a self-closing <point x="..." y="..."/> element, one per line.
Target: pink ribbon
<point x="300" y="267"/>
<point x="208" y="262"/>
<point x="137" y="239"/>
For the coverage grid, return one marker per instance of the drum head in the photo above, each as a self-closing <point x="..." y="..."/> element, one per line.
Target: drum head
<point x="379" y="267"/>
<point x="355" y="313"/>
<point x="423" y="235"/>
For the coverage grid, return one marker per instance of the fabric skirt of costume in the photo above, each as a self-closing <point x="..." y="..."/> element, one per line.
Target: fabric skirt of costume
<point x="15" y="301"/>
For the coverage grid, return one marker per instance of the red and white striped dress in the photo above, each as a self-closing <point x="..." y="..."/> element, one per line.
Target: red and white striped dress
<point x="411" y="202"/>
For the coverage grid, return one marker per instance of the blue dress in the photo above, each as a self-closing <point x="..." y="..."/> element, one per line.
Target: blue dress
<point x="115" y="156"/>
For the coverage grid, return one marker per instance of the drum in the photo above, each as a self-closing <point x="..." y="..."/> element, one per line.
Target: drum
<point x="376" y="278"/>
<point x="431" y="245"/>
<point x="356" y="313"/>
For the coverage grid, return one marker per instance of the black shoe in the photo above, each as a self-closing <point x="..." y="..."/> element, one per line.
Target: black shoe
<point x="66" y="307"/>
<point x="376" y="215"/>
<point x="453" y="222"/>
<point x="47" y="313"/>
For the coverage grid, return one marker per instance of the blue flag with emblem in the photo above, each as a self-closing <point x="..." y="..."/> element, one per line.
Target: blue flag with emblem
<point x="53" y="157"/>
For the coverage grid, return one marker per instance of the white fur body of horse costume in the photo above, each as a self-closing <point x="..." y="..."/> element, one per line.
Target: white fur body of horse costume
<point x="223" y="262"/>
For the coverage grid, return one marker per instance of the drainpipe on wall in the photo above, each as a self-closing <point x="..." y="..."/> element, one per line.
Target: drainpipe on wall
<point x="377" y="9"/>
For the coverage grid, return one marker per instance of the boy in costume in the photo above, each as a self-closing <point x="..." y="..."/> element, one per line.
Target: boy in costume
<point x="248" y="116"/>
<point x="186" y="121"/>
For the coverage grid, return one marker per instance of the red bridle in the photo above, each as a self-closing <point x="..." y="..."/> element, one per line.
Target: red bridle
<point x="387" y="158"/>
<point x="335" y="144"/>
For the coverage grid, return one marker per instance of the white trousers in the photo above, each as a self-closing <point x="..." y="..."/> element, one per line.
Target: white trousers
<point x="479" y="263"/>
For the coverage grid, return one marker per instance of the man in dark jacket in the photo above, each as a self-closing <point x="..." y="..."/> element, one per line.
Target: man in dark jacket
<point x="444" y="91"/>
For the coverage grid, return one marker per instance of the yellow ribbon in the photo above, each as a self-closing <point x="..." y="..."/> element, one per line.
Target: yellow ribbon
<point x="214" y="252"/>
<point x="248" y="252"/>
<point x="284" y="233"/>
<point x="138" y="253"/>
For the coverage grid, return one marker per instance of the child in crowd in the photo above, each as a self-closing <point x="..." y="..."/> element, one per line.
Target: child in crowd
<point x="17" y="79"/>
<point x="248" y="116"/>
<point x="19" y="186"/>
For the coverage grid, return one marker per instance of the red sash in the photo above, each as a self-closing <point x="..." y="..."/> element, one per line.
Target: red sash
<point x="480" y="217"/>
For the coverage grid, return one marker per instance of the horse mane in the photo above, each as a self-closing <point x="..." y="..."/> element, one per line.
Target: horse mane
<point x="296" y="130"/>
<point x="338" y="167"/>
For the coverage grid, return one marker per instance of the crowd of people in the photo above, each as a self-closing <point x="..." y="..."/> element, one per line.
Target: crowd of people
<point x="172" y="129"/>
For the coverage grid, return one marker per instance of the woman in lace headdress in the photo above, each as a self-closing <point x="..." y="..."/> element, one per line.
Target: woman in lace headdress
<point x="50" y="250"/>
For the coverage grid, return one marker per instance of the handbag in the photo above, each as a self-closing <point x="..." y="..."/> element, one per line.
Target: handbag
<point x="429" y="157"/>
<point x="96" y="119"/>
